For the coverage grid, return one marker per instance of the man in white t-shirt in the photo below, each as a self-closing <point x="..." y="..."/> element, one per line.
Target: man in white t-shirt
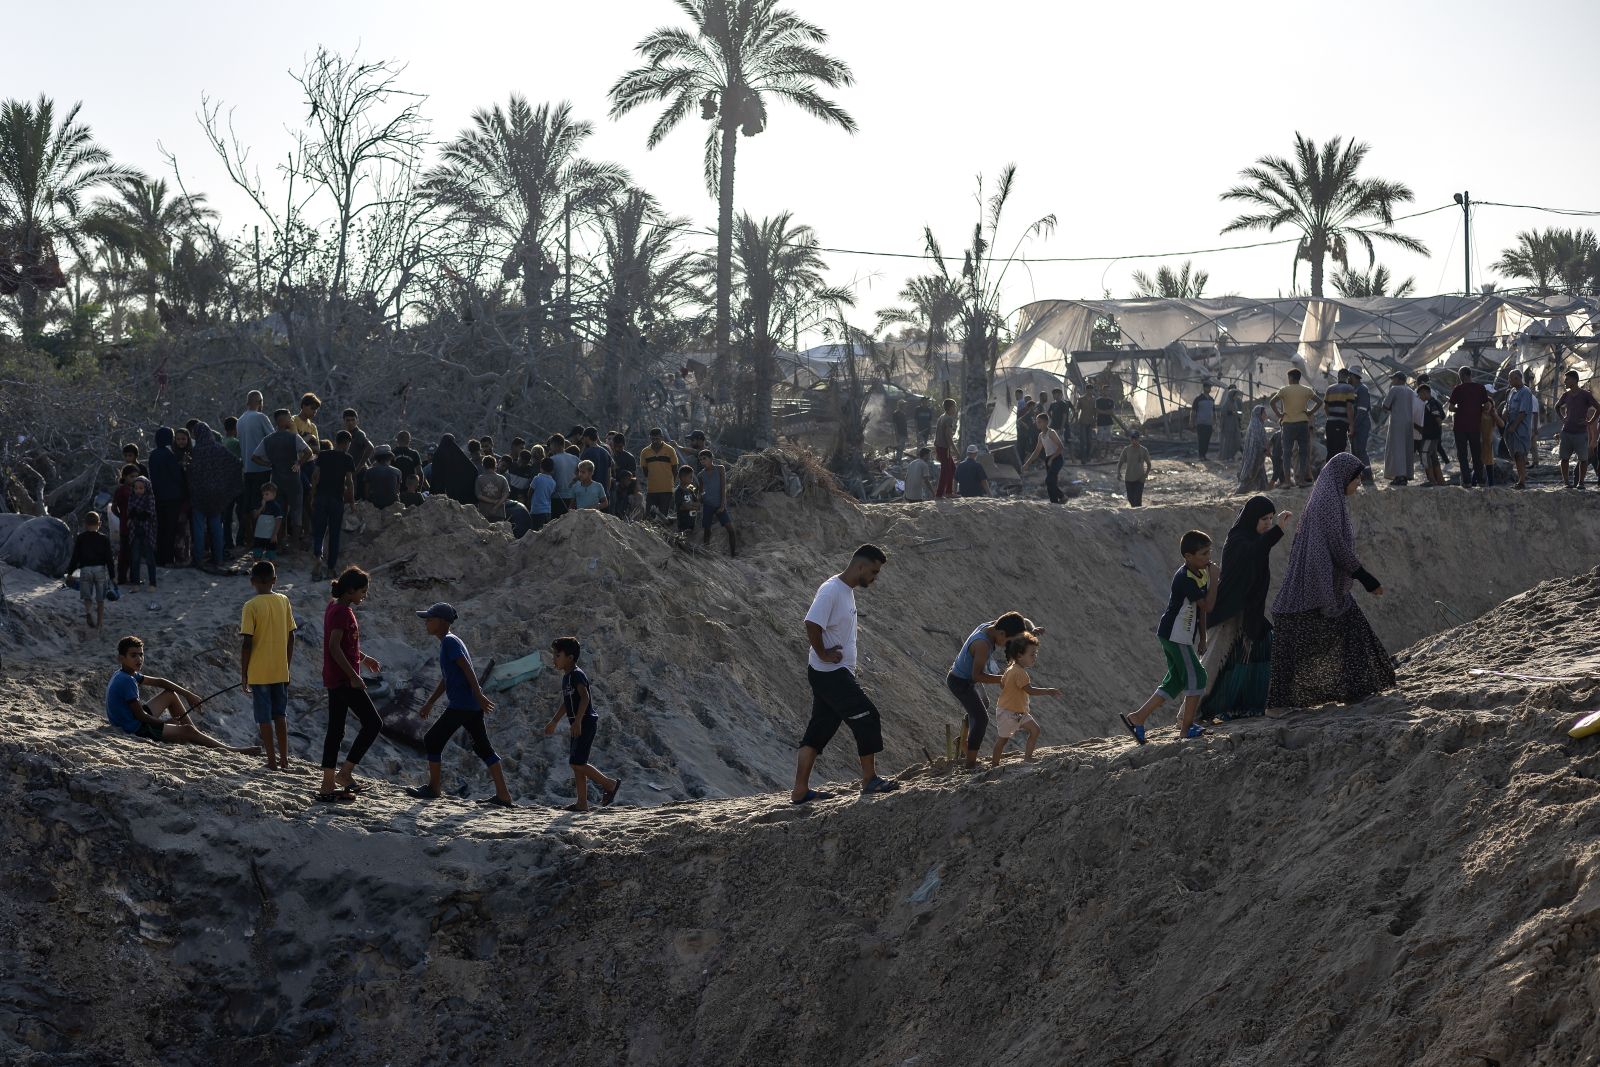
<point x="836" y="696"/>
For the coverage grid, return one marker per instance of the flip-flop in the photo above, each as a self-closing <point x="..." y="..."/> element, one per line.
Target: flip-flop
<point x="496" y="802"/>
<point x="573" y="807"/>
<point x="334" y="798"/>
<point x="609" y="795"/>
<point x="880" y="785"/>
<point x="423" y="792"/>
<point x="812" y="794"/>
<point x="1137" y="732"/>
<point x="353" y="789"/>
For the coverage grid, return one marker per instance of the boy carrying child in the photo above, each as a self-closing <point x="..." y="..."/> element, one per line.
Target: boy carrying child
<point x="92" y="550"/>
<point x="1182" y="632"/>
<point x="584" y="721"/>
<point x="266" y="651"/>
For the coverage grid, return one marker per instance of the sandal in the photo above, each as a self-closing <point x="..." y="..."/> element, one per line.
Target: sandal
<point x="496" y="802"/>
<point x="1136" y="731"/>
<point x="423" y="792"/>
<point x="609" y="795"/>
<point x="334" y="798"/>
<point x="812" y="794"/>
<point x="352" y="788"/>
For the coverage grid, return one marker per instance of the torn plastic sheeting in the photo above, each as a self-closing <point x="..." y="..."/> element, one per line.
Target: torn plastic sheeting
<point x="516" y="672"/>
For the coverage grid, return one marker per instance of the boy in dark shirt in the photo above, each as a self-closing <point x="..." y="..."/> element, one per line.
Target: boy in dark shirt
<point x="684" y="499"/>
<point x="90" y="551"/>
<point x="465" y="707"/>
<point x="577" y="706"/>
<point x="1182" y="632"/>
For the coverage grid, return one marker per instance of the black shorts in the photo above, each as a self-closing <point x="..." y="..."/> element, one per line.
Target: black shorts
<point x="685" y="520"/>
<point x="836" y="697"/>
<point x="150" y="730"/>
<point x="578" y="747"/>
<point x="660" y="503"/>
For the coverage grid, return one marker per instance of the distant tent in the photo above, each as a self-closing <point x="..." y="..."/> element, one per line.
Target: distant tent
<point x="1164" y="348"/>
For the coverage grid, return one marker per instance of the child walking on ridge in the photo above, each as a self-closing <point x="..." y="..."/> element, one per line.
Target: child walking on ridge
<point x="585" y="721"/>
<point x="1182" y="633"/>
<point x="1016" y="686"/>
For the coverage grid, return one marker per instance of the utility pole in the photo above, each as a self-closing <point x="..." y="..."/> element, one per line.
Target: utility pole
<point x="1465" y="200"/>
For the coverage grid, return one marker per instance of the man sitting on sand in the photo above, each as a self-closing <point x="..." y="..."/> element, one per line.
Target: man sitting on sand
<point x="127" y="712"/>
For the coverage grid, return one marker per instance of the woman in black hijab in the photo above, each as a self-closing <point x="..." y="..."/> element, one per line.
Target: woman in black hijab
<point x="1239" y="654"/>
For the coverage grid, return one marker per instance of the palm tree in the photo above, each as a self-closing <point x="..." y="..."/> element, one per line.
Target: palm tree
<point x="1355" y="283"/>
<point x="46" y="170"/>
<point x="1185" y="284"/>
<point x="736" y="55"/>
<point x="778" y="271"/>
<point x="644" y="287"/>
<point x="1321" y="194"/>
<point x="145" y="221"/>
<point x="1552" y="260"/>
<point x="932" y="303"/>
<point x="980" y="320"/>
<point x="515" y="174"/>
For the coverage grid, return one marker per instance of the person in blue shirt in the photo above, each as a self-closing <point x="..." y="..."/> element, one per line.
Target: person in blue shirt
<point x="539" y="494"/>
<point x="465" y="707"/>
<point x="583" y="722"/>
<point x="128" y="713"/>
<point x="600" y="456"/>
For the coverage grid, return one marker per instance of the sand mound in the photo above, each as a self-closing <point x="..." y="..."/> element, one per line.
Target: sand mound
<point x="1405" y="882"/>
<point x="698" y="660"/>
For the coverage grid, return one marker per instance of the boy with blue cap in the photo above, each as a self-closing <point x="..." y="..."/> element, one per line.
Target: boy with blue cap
<point x="465" y="706"/>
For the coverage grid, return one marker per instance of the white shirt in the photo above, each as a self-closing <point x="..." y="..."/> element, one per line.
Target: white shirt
<point x="834" y="609"/>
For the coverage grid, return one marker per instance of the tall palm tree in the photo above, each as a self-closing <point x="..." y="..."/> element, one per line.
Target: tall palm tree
<point x="1321" y="194"/>
<point x="144" y="220"/>
<point x="1552" y="260"/>
<point x="1185" y="284"/>
<point x="515" y="174"/>
<point x="981" y="321"/>
<point x="47" y="168"/>
<point x="735" y="56"/>
<point x="1355" y="283"/>
<point x="778" y="270"/>
<point x="645" y="287"/>
<point x="932" y="303"/>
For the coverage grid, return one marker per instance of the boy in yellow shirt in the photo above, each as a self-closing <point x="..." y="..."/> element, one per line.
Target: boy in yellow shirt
<point x="267" y="649"/>
<point x="1016" y="686"/>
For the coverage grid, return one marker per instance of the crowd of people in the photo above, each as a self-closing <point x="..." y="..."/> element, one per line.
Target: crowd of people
<point x="273" y="484"/>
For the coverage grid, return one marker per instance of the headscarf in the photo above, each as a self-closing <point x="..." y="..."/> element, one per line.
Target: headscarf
<point x="142" y="513"/>
<point x="1244" y="567"/>
<point x="1255" y="444"/>
<point x="166" y="468"/>
<point x="1323" y="561"/>
<point x="216" y="476"/>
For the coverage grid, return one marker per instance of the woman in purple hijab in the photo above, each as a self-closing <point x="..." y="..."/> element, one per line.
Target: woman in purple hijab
<point x="1324" y="650"/>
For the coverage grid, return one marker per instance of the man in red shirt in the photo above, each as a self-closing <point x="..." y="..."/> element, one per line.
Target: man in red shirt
<point x="1467" y="401"/>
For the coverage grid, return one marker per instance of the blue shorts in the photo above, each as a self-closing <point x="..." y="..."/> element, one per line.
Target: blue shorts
<point x="271" y="701"/>
<point x="710" y="513"/>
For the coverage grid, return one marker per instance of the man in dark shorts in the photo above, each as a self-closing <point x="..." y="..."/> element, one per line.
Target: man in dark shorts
<point x="836" y="696"/>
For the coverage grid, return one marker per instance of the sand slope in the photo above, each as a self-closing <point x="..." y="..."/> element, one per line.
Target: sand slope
<point x="1407" y="882"/>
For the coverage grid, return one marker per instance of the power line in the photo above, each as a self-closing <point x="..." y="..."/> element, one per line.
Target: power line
<point x="1534" y="207"/>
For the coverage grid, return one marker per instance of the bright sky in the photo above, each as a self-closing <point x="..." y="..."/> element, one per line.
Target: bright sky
<point x="1125" y="120"/>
